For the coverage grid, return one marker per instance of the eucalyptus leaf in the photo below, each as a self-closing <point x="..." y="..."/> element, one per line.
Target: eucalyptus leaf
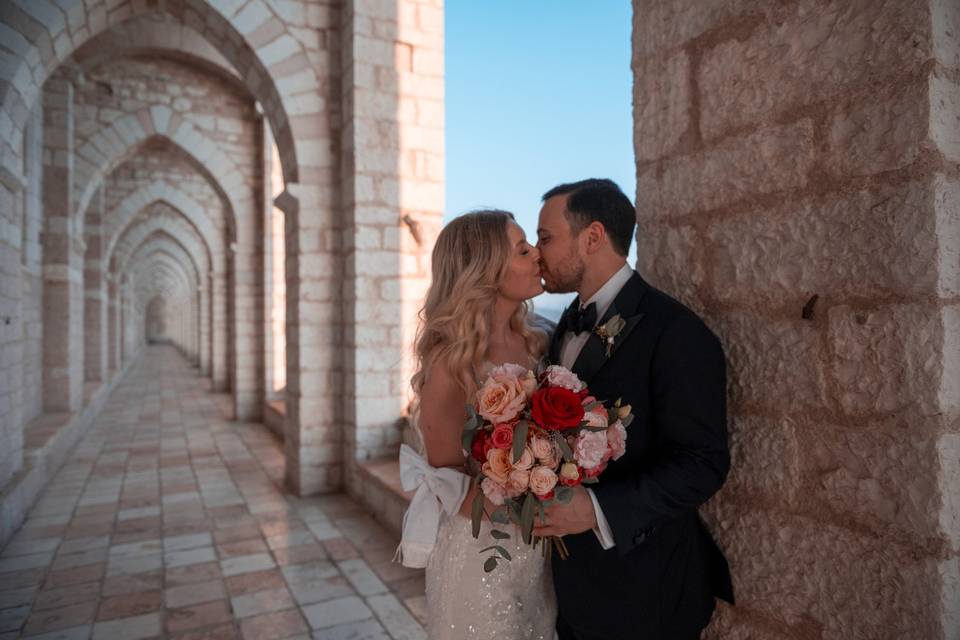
<point x="589" y="481"/>
<point x="526" y="517"/>
<point x="490" y="564"/>
<point x="626" y="421"/>
<point x="520" y="438"/>
<point x="565" y="449"/>
<point x="563" y="495"/>
<point x="590" y="407"/>
<point x="476" y="513"/>
<point x="501" y="516"/>
<point x="500" y="535"/>
<point x="503" y="552"/>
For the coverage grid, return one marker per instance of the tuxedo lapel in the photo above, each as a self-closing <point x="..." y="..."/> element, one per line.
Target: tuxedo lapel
<point x="594" y="356"/>
<point x="556" y="340"/>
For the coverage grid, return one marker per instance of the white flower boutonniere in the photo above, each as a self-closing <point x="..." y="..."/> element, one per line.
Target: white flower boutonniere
<point x="609" y="330"/>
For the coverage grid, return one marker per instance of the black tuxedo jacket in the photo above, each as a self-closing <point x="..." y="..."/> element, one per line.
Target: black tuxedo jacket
<point x="660" y="580"/>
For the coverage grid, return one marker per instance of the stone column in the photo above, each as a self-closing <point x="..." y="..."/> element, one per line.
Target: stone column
<point x="392" y="190"/>
<point x="219" y="330"/>
<point x="798" y="184"/>
<point x="95" y="294"/>
<point x="63" y="251"/>
<point x="113" y="324"/>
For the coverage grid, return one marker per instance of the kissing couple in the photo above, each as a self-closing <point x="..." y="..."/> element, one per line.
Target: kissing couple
<point x="638" y="561"/>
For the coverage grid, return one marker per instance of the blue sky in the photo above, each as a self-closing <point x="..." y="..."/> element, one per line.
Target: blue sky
<point x="537" y="93"/>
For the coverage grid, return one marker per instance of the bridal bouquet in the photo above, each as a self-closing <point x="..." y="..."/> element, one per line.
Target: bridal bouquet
<point x="535" y="438"/>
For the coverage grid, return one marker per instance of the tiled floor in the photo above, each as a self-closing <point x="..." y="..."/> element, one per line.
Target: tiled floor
<point x="168" y="521"/>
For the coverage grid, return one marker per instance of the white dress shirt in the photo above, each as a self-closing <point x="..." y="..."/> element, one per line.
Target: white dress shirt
<point x="570" y="349"/>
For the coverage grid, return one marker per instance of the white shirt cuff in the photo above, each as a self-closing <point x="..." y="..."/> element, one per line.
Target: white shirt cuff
<point x="602" y="530"/>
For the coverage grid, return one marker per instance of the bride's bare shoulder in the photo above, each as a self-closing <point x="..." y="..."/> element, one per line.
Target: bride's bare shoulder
<point x="440" y="386"/>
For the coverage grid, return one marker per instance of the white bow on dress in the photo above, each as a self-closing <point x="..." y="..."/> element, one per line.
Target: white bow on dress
<point x="436" y="489"/>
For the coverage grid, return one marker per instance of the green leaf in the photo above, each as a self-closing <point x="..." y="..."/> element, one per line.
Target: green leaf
<point x="490" y="564"/>
<point x="476" y="512"/>
<point x="501" y="516"/>
<point x="503" y="552"/>
<point x="626" y="421"/>
<point x="590" y="407"/>
<point x="563" y="495"/>
<point x="594" y="428"/>
<point x="519" y="438"/>
<point x="526" y="517"/>
<point x="500" y="535"/>
<point x="565" y="448"/>
<point x="589" y="481"/>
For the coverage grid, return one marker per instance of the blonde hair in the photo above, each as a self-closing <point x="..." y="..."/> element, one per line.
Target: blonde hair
<point x="470" y="260"/>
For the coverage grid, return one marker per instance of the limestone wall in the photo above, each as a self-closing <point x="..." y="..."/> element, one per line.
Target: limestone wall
<point x="797" y="184"/>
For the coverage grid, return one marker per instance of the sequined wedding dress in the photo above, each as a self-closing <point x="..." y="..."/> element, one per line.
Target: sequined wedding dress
<point x="515" y="601"/>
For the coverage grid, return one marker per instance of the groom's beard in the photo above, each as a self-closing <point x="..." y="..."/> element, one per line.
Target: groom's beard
<point x="567" y="276"/>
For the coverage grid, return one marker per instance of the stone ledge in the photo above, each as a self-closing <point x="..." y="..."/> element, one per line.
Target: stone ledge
<point x="47" y="441"/>
<point x="275" y="416"/>
<point x="377" y="487"/>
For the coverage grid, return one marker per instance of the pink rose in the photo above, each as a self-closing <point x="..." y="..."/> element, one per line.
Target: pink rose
<point x="526" y="460"/>
<point x="590" y="448"/>
<point x="546" y="451"/>
<point x="527" y="380"/>
<point x="597" y="417"/>
<point x="496" y="493"/>
<point x="558" y="376"/>
<point x="542" y="480"/>
<point x="517" y="482"/>
<point x="497" y="466"/>
<point x="617" y="439"/>
<point x="502" y="437"/>
<point x="501" y="398"/>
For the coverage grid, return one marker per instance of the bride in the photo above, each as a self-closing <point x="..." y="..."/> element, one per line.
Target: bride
<point x="475" y="317"/>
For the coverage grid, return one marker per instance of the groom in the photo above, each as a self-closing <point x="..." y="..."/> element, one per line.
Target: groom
<point x="642" y="564"/>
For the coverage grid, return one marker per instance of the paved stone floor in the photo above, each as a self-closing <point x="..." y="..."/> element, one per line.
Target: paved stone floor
<point x="169" y="521"/>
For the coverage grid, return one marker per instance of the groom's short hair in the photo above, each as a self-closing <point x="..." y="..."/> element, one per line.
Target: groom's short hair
<point x="600" y="200"/>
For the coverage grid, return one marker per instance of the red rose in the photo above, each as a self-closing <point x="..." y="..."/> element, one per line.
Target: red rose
<point x="546" y="496"/>
<point x="556" y="408"/>
<point x="481" y="444"/>
<point x="502" y="437"/>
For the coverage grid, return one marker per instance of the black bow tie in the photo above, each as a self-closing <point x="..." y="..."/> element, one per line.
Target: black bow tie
<point x="582" y="319"/>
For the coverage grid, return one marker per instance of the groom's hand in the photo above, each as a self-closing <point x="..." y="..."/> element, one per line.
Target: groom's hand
<point x="576" y="516"/>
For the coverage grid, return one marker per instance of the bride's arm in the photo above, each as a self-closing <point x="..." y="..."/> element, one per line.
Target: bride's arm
<point x="442" y="415"/>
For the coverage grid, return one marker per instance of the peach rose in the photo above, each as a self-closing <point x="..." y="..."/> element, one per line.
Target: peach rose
<point x="501" y="398"/>
<point x="545" y="451"/>
<point x="569" y="471"/>
<point x="542" y="480"/>
<point x="494" y="492"/>
<point x="498" y="465"/>
<point x="526" y="460"/>
<point x="517" y="482"/>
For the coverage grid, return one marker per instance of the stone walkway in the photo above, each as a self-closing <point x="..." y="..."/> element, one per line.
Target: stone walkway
<point x="168" y="521"/>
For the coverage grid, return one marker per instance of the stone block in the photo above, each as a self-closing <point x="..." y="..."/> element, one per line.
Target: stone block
<point x="658" y="26"/>
<point x="768" y="161"/>
<point x="810" y="53"/>
<point x="661" y="104"/>
<point x="945" y="19"/>
<point x="885" y="360"/>
<point x="944" y="99"/>
<point x="770" y="359"/>
<point x="947" y="212"/>
<point x="882" y="134"/>
<point x="671" y="258"/>
<point x="764" y="458"/>
<point x="845" y="244"/>
<point x="807" y="572"/>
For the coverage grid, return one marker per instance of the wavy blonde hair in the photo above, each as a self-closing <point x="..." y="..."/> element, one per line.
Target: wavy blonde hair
<point x="470" y="260"/>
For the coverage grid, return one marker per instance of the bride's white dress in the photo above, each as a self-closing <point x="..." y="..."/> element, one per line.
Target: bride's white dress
<point x="515" y="601"/>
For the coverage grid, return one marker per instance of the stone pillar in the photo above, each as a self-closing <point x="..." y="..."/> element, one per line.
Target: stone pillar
<point x="220" y="331"/>
<point x="113" y="324"/>
<point x="95" y="294"/>
<point x="63" y="251"/>
<point x="798" y="184"/>
<point x="205" y="346"/>
<point x="248" y="317"/>
<point x="392" y="190"/>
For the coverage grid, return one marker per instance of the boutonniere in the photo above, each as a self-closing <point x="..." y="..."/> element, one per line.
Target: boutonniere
<point x="609" y="330"/>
